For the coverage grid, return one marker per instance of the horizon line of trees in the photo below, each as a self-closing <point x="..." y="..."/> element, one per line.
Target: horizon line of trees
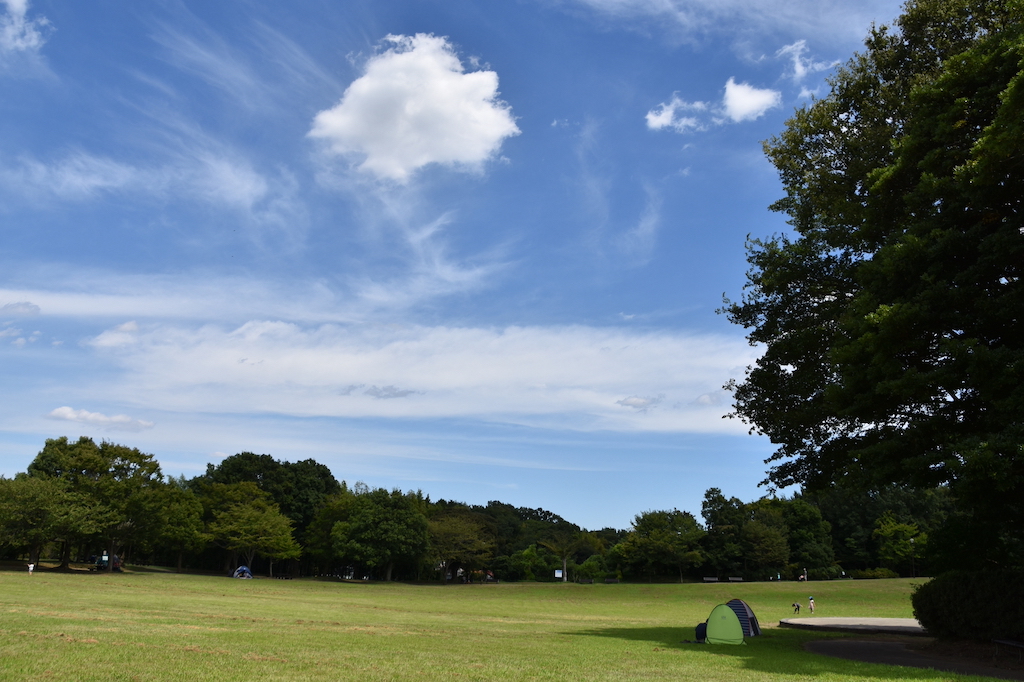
<point x="79" y="499"/>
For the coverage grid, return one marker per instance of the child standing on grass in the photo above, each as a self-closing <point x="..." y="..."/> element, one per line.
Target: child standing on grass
<point x="31" y="567"/>
<point x="796" y="607"/>
<point x="811" y="599"/>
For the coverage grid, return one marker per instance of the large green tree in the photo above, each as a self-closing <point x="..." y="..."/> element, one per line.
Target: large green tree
<point x="662" y="542"/>
<point x="459" y="539"/>
<point x="120" y="483"/>
<point x="255" y="527"/>
<point x="892" y="317"/>
<point x="181" y="520"/>
<point x="36" y="511"/>
<point x="298" y="488"/>
<point x="382" y="529"/>
<point x="723" y="544"/>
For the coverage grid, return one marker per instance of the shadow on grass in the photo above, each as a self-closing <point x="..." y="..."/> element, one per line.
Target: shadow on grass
<point x="776" y="652"/>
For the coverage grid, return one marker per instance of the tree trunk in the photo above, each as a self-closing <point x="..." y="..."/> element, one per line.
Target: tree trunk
<point x="65" y="556"/>
<point x="180" y="556"/>
<point x="565" y="570"/>
<point x="387" y="578"/>
<point x="270" y="567"/>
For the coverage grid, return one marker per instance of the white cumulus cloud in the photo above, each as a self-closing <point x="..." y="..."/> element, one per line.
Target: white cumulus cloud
<point x="417" y="105"/>
<point x="18" y="33"/>
<point x="741" y="102"/>
<point x="674" y="114"/>
<point x="744" y="102"/>
<point x="118" y="422"/>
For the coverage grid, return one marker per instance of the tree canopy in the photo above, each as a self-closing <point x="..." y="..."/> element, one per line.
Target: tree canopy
<point x="79" y="496"/>
<point x="892" y="316"/>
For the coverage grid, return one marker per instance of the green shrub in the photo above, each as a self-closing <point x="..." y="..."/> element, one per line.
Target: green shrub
<point x="874" y="574"/>
<point x="978" y="605"/>
<point x="827" y="573"/>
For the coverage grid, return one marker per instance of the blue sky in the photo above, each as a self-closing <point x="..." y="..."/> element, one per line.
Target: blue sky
<point x="470" y="248"/>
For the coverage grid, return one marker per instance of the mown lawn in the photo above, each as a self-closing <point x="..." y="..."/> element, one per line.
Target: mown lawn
<point x="162" y="626"/>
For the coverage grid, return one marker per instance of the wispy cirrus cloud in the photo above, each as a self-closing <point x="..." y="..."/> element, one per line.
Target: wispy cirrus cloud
<point x="693" y="20"/>
<point x="414" y="106"/>
<point x="206" y="296"/>
<point x="388" y="392"/>
<point x="801" y="64"/>
<point x="117" y="422"/>
<point x="211" y="173"/>
<point x="641" y="403"/>
<point x="19" y="309"/>
<point x="194" y="48"/>
<point x="574" y="377"/>
<point x="265" y="75"/>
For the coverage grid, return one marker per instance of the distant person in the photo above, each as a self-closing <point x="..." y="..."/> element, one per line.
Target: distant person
<point x="811" y="600"/>
<point x="31" y="567"/>
<point x="796" y="607"/>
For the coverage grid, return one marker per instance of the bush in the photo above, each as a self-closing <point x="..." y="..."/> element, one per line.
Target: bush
<point x="874" y="574"/>
<point x="827" y="573"/>
<point x="980" y="605"/>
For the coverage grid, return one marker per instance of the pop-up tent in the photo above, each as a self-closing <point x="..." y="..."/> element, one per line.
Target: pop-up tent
<point x="748" y="621"/>
<point x="243" y="572"/>
<point x="724" y="626"/>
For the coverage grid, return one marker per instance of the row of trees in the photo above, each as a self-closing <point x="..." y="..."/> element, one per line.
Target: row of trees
<point x="78" y="499"/>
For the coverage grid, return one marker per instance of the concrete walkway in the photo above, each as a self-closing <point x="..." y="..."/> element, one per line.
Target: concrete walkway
<point x="887" y="626"/>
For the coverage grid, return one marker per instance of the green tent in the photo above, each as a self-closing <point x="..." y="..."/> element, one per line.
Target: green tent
<point x="724" y="627"/>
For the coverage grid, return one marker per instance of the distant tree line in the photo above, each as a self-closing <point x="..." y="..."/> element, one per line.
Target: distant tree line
<point x="79" y="499"/>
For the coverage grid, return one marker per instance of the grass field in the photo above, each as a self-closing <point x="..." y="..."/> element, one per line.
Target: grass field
<point x="162" y="626"/>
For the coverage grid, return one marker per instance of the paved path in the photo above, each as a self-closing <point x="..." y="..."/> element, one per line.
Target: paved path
<point x="897" y="653"/>
<point x="888" y="626"/>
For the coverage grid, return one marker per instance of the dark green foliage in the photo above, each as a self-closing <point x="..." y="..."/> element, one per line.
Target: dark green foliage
<point x="827" y="573"/>
<point x="460" y="538"/>
<point x="255" y="527"/>
<point x="81" y="495"/>
<point x="661" y="543"/>
<point x="383" y="528"/>
<point x="892" y="316"/>
<point x="723" y="519"/>
<point x="810" y="536"/>
<point x="853" y="516"/>
<point x="181" y="521"/>
<point x="765" y="538"/>
<point x="319" y="544"/>
<point x="36" y="511"/>
<point x="874" y="574"/>
<point x="298" y="488"/>
<point x="981" y="605"/>
<point x="117" y="489"/>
